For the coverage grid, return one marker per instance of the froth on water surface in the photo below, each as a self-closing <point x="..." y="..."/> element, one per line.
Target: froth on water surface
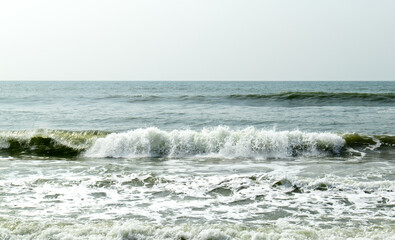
<point x="201" y="160"/>
<point x="209" y="198"/>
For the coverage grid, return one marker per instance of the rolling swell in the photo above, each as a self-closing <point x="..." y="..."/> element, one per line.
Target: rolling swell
<point x="221" y="142"/>
<point x="270" y="99"/>
<point x="356" y="140"/>
<point x="55" y="143"/>
<point x="321" y="98"/>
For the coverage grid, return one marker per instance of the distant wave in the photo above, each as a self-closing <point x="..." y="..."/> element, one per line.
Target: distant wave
<point x="284" y="98"/>
<point x="132" y="98"/>
<point x="221" y="142"/>
<point x="321" y="96"/>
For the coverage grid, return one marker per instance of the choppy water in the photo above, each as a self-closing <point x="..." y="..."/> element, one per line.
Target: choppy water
<point x="197" y="160"/>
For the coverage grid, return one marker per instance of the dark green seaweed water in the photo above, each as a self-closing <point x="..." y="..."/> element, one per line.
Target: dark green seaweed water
<point x="197" y="160"/>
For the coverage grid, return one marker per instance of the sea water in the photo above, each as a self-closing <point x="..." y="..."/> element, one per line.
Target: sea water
<point x="197" y="160"/>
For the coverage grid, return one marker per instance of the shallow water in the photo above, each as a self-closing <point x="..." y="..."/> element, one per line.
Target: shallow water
<point x="189" y="160"/>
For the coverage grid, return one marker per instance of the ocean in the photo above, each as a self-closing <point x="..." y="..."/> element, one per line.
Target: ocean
<point x="197" y="160"/>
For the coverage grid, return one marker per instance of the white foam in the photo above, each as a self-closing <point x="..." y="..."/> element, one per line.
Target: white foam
<point x="218" y="142"/>
<point x="13" y="230"/>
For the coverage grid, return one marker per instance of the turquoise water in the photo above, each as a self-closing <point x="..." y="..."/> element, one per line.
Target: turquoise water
<point x="197" y="160"/>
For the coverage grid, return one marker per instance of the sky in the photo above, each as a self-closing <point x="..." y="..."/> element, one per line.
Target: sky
<point x="197" y="40"/>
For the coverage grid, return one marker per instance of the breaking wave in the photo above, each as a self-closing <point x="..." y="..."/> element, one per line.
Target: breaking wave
<point x="220" y="142"/>
<point x="216" y="142"/>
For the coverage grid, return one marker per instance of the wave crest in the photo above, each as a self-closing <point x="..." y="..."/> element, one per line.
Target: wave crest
<point x="216" y="142"/>
<point x="319" y="96"/>
<point x="315" y="99"/>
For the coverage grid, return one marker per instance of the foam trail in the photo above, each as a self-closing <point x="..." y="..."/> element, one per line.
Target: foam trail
<point x="216" y="142"/>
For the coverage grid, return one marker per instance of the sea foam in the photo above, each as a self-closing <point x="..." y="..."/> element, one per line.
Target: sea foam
<point x="136" y="230"/>
<point x="215" y="142"/>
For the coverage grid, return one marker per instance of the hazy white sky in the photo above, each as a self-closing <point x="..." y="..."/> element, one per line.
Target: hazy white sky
<point x="197" y="40"/>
